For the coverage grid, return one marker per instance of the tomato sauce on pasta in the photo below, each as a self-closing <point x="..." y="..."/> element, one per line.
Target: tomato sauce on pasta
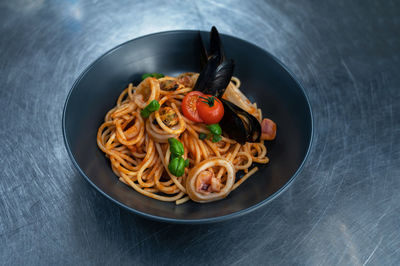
<point x="140" y="154"/>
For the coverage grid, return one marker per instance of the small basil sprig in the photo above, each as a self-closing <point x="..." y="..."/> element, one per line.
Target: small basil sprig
<point x="216" y="138"/>
<point x="151" y="107"/>
<point x="177" y="164"/>
<point x="176" y="147"/>
<point x="154" y="75"/>
<point x="215" y="129"/>
<point x="215" y="133"/>
<point x="202" y="136"/>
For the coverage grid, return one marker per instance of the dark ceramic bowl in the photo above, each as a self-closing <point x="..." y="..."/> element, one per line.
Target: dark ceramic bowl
<point x="264" y="80"/>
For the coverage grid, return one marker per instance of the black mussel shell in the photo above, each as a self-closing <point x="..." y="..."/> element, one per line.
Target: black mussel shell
<point x="215" y="77"/>
<point x="206" y="74"/>
<point x="216" y="47"/>
<point x="239" y="124"/>
<point x="203" y="52"/>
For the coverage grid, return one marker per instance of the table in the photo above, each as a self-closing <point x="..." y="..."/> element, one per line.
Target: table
<point x="343" y="209"/>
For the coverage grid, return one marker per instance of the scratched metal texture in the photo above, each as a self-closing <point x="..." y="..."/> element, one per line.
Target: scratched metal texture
<point x="343" y="209"/>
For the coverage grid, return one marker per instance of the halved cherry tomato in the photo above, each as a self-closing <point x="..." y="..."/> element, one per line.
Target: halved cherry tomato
<point x="210" y="109"/>
<point x="189" y="106"/>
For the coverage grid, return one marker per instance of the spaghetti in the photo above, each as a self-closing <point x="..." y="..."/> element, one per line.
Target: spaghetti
<point x="140" y="153"/>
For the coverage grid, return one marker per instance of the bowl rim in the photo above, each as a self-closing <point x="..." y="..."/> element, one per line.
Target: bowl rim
<point x="177" y="220"/>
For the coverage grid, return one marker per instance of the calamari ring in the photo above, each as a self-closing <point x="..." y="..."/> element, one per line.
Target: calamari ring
<point x="146" y="91"/>
<point x="194" y="172"/>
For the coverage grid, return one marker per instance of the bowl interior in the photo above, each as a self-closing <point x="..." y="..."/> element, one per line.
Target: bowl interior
<point x="264" y="80"/>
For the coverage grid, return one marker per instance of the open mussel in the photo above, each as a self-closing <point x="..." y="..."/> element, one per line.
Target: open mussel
<point x="216" y="71"/>
<point x="239" y="124"/>
<point x="213" y="79"/>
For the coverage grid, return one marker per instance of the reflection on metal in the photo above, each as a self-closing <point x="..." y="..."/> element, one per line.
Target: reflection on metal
<point x="49" y="215"/>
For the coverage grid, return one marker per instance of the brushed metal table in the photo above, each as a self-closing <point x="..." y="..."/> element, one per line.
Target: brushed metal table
<point x="343" y="209"/>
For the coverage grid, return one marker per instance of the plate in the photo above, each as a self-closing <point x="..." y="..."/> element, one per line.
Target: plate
<point x="264" y="80"/>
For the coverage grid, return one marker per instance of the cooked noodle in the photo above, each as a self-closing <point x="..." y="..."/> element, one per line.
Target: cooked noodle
<point x="139" y="152"/>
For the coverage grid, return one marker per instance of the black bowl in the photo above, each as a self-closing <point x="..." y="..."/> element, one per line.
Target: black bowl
<point x="264" y="80"/>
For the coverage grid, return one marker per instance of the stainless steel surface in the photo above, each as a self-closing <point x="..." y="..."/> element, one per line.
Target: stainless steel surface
<point x="343" y="209"/>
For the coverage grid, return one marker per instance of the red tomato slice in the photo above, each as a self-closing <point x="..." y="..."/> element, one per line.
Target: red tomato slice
<point x="189" y="106"/>
<point x="210" y="109"/>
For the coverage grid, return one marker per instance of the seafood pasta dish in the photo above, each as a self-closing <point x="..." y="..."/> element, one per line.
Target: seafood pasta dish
<point x="194" y="137"/>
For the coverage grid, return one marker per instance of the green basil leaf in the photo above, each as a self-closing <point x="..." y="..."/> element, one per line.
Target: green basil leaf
<point x="177" y="166"/>
<point x="145" y="76"/>
<point x="202" y="136"/>
<point x="216" y="138"/>
<point x="215" y="129"/>
<point x="153" y="106"/>
<point x="158" y="75"/>
<point x="176" y="147"/>
<point x="154" y="75"/>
